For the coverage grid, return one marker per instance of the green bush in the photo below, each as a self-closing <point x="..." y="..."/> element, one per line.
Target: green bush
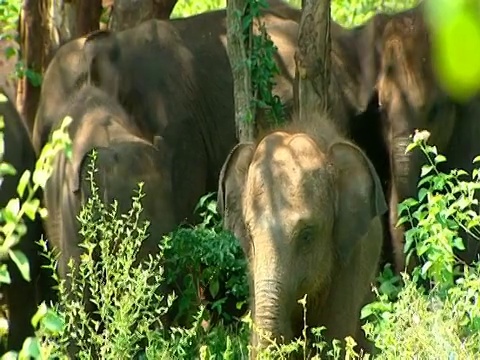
<point x="444" y="322"/>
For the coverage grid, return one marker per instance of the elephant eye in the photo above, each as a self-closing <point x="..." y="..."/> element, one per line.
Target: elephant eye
<point x="305" y="235"/>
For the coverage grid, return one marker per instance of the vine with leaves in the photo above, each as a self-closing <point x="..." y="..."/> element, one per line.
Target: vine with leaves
<point x="261" y="63"/>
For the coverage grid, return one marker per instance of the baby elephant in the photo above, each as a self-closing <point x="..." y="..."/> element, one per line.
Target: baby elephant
<point x="306" y="205"/>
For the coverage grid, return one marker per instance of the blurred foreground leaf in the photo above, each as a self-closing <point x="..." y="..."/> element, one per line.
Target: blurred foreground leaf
<point x="455" y="26"/>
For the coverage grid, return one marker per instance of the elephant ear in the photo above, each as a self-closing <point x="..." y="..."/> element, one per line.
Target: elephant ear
<point x="102" y="55"/>
<point x="84" y="143"/>
<point x="360" y="197"/>
<point x="231" y="185"/>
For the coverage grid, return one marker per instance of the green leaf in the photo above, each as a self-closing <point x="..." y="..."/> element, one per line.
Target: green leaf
<point x="4" y="275"/>
<point x="422" y="193"/>
<point x="408" y="203"/>
<point x="458" y="243"/>
<point x="23" y="182"/>
<point x="10" y="52"/>
<point x="40" y="177"/>
<point x="11" y="355"/>
<point x="13" y="208"/>
<point x="426" y="267"/>
<point x="457" y="60"/>
<point x="439" y="159"/>
<point x="31" y="208"/>
<point x="40" y="313"/>
<point x="7" y="169"/>
<point x="31" y="348"/>
<point x="52" y="322"/>
<point x="21" y="261"/>
<point x="402" y="220"/>
<point x="214" y="287"/>
<point x="426" y="169"/>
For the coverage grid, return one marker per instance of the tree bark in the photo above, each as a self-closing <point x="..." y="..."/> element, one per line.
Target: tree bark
<point x="237" y="54"/>
<point x="162" y="9"/>
<point x="313" y="59"/>
<point x="33" y="55"/>
<point x="88" y="14"/>
<point x="128" y="13"/>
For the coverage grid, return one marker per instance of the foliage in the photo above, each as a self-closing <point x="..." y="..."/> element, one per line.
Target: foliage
<point x="211" y="265"/>
<point x="185" y="8"/>
<point x="132" y="298"/>
<point x="260" y="60"/>
<point x="445" y="321"/>
<point x="128" y="295"/>
<point x="9" y="15"/>
<point x="444" y="207"/>
<point x="13" y="226"/>
<point x="456" y="39"/>
<point x="351" y="13"/>
<point x="13" y="214"/>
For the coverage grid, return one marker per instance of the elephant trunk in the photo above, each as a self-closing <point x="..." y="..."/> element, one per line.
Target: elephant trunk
<point x="405" y="175"/>
<point x="269" y="313"/>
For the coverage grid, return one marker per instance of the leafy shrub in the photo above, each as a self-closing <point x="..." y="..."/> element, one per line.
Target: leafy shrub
<point x="408" y="321"/>
<point x="214" y="263"/>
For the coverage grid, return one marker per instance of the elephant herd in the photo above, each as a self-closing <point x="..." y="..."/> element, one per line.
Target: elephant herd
<point x="312" y="203"/>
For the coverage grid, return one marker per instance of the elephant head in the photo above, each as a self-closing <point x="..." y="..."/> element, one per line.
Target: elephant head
<point x="125" y="157"/>
<point x="123" y="161"/>
<point x="410" y="98"/>
<point x="307" y="219"/>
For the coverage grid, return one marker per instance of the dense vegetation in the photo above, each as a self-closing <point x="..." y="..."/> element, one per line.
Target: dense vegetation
<point x="405" y="321"/>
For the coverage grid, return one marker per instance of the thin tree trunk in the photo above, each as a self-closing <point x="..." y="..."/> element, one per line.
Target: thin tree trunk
<point x="162" y="9"/>
<point x="237" y="54"/>
<point x="88" y="14"/>
<point x="33" y="55"/>
<point x="313" y="59"/>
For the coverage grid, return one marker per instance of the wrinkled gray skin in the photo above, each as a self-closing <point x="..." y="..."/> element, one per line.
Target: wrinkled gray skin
<point x="22" y="297"/>
<point x="306" y="205"/>
<point x="410" y="98"/>
<point x="124" y="158"/>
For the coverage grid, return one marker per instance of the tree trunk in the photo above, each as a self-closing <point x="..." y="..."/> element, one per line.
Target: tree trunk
<point x="162" y="9"/>
<point x="237" y="54"/>
<point x="128" y="13"/>
<point x="33" y="55"/>
<point x="313" y="59"/>
<point x="87" y="17"/>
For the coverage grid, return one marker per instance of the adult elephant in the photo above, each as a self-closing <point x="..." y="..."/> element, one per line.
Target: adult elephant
<point x="410" y="98"/>
<point x="22" y="296"/>
<point x="125" y="157"/>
